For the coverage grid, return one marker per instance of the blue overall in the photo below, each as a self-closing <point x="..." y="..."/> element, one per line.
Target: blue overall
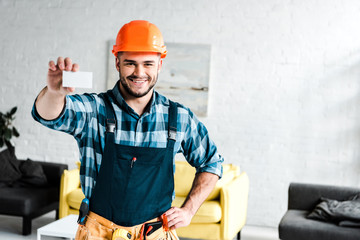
<point x="134" y="184"/>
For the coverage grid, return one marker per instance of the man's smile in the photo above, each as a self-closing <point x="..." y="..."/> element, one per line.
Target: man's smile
<point x="138" y="81"/>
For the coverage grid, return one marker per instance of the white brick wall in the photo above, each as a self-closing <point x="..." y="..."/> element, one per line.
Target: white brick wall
<point x="285" y="79"/>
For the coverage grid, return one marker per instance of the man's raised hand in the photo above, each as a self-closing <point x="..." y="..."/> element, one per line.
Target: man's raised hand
<point x="54" y="77"/>
<point x="51" y="100"/>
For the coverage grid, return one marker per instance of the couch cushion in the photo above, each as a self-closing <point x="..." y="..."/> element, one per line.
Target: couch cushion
<point x="24" y="201"/>
<point x="185" y="173"/>
<point x="209" y="212"/>
<point x="295" y="226"/>
<point x="9" y="167"/>
<point x="184" y="176"/>
<point x="330" y="210"/>
<point x="200" y="231"/>
<point x="32" y="173"/>
<point x="74" y="198"/>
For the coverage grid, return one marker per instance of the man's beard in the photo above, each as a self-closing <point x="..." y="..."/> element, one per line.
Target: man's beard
<point x="131" y="92"/>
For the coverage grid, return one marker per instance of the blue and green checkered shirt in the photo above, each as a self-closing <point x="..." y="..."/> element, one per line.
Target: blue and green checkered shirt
<point x="84" y="117"/>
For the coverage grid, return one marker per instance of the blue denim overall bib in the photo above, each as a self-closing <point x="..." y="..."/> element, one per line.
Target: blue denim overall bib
<point x="134" y="184"/>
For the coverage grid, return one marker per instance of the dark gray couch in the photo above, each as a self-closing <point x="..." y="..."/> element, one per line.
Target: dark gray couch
<point x="302" y="200"/>
<point x="30" y="202"/>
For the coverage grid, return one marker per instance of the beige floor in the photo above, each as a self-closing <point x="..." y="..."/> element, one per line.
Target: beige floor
<point x="10" y="229"/>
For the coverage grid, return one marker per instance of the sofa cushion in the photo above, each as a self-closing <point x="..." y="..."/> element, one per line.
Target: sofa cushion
<point x="32" y="174"/>
<point x="74" y="198"/>
<point x="24" y="201"/>
<point x="200" y="231"/>
<point x="185" y="173"/>
<point x="330" y="210"/>
<point x="9" y="167"/>
<point x="184" y="176"/>
<point x="295" y="226"/>
<point x="209" y="212"/>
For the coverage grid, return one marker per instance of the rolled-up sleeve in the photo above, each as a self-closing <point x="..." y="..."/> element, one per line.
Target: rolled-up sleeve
<point x="73" y="117"/>
<point x="199" y="150"/>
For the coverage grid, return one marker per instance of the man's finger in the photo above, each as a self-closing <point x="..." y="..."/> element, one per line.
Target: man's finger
<point x="170" y="211"/>
<point x="70" y="89"/>
<point x="171" y="214"/>
<point x="68" y="64"/>
<point x="174" y="227"/>
<point x="52" y="66"/>
<point x="173" y="221"/>
<point x="75" y="67"/>
<point x="171" y="217"/>
<point x="176" y="224"/>
<point x="60" y="63"/>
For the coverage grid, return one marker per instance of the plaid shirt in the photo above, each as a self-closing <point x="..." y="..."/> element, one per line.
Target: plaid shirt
<point x="84" y="117"/>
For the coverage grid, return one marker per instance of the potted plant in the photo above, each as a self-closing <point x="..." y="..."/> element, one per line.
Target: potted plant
<point x="7" y="130"/>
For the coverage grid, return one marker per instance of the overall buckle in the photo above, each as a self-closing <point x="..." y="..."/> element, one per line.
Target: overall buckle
<point x="110" y="125"/>
<point x="172" y="133"/>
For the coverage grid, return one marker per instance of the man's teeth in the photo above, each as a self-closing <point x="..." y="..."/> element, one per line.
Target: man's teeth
<point x="138" y="81"/>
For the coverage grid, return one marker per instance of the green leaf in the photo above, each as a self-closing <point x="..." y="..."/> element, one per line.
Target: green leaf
<point x="13" y="110"/>
<point x="8" y="144"/>
<point x="15" y="132"/>
<point x="8" y="134"/>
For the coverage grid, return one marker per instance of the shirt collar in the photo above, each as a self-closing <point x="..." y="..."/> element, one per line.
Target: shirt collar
<point x="123" y="105"/>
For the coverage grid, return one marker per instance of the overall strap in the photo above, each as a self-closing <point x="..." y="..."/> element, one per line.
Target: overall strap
<point x="109" y="120"/>
<point x="172" y="123"/>
<point x="110" y="115"/>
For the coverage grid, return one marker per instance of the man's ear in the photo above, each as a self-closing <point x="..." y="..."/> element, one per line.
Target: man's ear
<point x="117" y="64"/>
<point x="160" y="65"/>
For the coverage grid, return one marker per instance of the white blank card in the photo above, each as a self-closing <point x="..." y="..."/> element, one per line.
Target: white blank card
<point x="77" y="79"/>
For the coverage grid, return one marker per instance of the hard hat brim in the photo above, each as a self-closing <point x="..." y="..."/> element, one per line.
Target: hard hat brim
<point x="116" y="50"/>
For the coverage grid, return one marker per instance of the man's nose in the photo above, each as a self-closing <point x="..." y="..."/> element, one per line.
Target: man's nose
<point x="139" y="71"/>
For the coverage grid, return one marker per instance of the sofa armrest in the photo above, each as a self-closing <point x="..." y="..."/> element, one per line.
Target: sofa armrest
<point x="304" y="196"/>
<point x="234" y="202"/>
<point x="53" y="172"/>
<point x="70" y="180"/>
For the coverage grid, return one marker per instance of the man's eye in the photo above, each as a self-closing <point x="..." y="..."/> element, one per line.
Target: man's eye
<point x="129" y="64"/>
<point x="149" y="64"/>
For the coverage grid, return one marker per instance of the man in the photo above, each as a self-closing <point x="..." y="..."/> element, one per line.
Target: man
<point x="128" y="137"/>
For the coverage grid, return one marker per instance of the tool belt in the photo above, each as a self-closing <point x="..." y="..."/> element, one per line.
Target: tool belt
<point x="97" y="227"/>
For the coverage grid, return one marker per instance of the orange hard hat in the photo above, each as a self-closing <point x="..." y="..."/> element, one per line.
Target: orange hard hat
<point x="139" y="36"/>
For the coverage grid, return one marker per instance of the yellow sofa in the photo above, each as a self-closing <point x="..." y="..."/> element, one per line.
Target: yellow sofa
<point x="221" y="216"/>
